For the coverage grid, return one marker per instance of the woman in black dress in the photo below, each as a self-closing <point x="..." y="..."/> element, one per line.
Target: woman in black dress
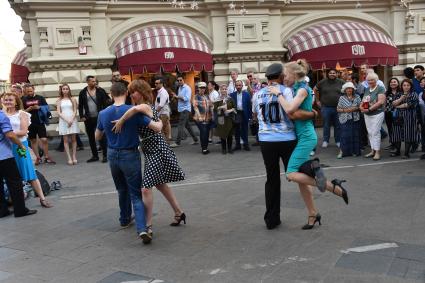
<point x="161" y="166"/>
<point x="405" y="124"/>
<point x="392" y="89"/>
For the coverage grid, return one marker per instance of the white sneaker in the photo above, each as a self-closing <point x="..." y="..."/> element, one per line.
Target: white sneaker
<point x="195" y="143"/>
<point x="338" y="144"/>
<point x="146" y="238"/>
<point x="312" y="153"/>
<point x="174" y="145"/>
<point x="325" y="144"/>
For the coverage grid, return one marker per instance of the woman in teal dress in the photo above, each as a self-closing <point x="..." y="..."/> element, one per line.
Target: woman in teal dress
<point x="307" y="140"/>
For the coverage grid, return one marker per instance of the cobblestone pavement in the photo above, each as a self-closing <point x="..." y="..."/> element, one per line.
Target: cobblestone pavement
<point x="379" y="237"/>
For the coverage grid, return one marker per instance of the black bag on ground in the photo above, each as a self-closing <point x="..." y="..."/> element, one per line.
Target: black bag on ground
<point x="44" y="184"/>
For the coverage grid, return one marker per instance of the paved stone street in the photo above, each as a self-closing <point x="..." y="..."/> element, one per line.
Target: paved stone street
<point x="379" y="237"/>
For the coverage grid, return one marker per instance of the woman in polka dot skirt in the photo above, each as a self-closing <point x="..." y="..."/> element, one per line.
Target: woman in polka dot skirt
<point x="161" y="165"/>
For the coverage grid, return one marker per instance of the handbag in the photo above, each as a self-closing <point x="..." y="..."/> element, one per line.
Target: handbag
<point x="397" y="118"/>
<point x="220" y="120"/>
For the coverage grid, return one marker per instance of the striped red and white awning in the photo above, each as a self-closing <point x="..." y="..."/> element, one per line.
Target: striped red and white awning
<point x="19" y="71"/>
<point x="165" y="48"/>
<point x="20" y="58"/>
<point x="160" y="37"/>
<point x="346" y="43"/>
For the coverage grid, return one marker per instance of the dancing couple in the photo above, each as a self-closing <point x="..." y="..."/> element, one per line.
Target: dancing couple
<point x="161" y="164"/>
<point x="286" y="131"/>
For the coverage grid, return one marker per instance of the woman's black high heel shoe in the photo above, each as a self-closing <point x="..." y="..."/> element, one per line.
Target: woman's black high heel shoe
<point x="179" y="218"/>
<point x="317" y="218"/>
<point x="344" y="194"/>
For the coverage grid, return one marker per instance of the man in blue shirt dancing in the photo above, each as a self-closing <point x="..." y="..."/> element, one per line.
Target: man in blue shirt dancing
<point x="124" y="157"/>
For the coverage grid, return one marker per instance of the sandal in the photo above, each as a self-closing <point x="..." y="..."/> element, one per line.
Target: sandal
<point x="344" y="194"/>
<point x="45" y="203"/>
<point x="149" y="230"/>
<point x="38" y="161"/>
<point x="178" y="219"/>
<point x="48" y="160"/>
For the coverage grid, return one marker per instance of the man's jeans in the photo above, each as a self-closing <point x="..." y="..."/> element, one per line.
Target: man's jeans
<point x="204" y="131"/>
<point x="127" y="175"/>
<point x="184" y="123"/>
<point x="330" y="118"/>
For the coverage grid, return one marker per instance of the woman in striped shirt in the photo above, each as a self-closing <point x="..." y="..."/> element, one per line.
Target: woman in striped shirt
<point x="405" y="125"/>
<point x="349" y="119"/>
<point x="203" y="108"/>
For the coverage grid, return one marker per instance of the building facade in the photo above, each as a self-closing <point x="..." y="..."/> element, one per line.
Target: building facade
<point x="70" y="39"/>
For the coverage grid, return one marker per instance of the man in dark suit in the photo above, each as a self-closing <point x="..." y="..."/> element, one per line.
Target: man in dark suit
<point x="242" y="100"/>
<point x="91" y="101"/>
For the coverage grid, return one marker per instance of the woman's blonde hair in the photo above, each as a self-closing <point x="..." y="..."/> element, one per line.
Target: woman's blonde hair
<point x="299" y="68"/>
<point x="19" y="105"/>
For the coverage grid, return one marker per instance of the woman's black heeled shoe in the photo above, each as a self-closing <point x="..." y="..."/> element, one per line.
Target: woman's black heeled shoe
<point x="317" y="218"/>
<point x="344" y="194"/>
<point x="179" y="218"/>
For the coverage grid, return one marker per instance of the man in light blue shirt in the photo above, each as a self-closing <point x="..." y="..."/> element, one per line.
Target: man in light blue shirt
<point x="277" y="140"/>
<point x="184" y="107"/>
<point x="9" y="171"/>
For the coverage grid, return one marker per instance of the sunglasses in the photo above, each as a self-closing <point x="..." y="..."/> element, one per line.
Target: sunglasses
<point x="249" y="76"/>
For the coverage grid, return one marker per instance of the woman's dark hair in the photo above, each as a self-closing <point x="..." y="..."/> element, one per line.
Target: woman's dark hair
<point x="409" y="73"/>
<point x="215" y="85"/>
<point x="355" y="77"/>
<point x="389" y="88"/>
<point x="409" y="81"/>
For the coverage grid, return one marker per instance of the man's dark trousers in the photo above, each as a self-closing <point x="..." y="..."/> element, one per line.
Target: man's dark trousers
<point x="9" y="172"/>
<point x="91" y="124"/>
<point x="241" y="130"/>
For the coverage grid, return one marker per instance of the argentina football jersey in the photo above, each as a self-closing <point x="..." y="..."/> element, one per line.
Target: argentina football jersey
<point x="274" y="123"/>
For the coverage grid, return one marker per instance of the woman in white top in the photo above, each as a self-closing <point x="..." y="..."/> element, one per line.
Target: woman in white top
<point x="20" y="121"/>
<point x="68" y="126"/>
<point x="214" y="96"/>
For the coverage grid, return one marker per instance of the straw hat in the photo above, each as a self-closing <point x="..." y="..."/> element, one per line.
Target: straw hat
<point x="347" y="85"/>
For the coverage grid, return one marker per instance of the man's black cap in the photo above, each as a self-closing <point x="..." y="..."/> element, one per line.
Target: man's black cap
<point x="274" y="70"/>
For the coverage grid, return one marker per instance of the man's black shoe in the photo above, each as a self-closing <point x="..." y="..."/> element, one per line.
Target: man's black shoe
<point x="93" y="159"/>
<point x="80" y="148"/>
<point x="29" y="212"/>
<point x="422" y="156"/>
<point x="5" y="213"/>
<point x="104" y="159"/>
<point x="246" y="147"/>
<point x="271" y="226"/>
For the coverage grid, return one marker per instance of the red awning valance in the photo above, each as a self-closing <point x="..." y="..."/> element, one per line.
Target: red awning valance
<point x="18" y="70"/>
<point x="163" y="47"/>
<point x="344" y="43"/>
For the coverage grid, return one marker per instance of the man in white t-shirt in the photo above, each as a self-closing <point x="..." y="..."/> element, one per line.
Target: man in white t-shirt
<point x="162" y="102"/>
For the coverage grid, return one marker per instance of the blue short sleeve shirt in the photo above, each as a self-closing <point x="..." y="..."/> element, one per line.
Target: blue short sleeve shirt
<point x="129" y="137"/>
<point x="5" y="144"/>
